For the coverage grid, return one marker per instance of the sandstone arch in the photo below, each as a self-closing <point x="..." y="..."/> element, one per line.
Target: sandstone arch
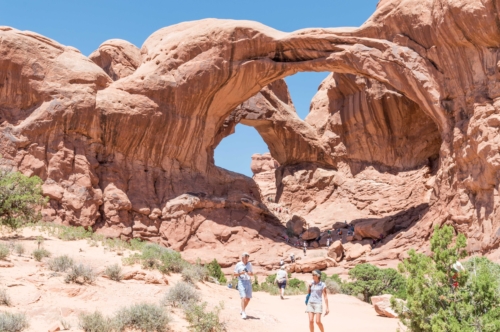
<point x="121" y="154"/>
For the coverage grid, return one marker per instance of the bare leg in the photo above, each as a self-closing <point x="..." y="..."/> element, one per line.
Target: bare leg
<point x="311" y="321"/>
<point x="243" y="305"/>
<point x="318" y="322"/>
<point x="246" y="300"/>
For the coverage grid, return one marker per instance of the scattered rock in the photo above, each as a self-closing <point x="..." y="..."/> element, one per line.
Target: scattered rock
<point x="382" y="305"/>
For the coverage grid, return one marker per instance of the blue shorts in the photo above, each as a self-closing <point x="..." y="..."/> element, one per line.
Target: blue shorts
<point x="245" y="288"/>
<point x="282" y="284"/>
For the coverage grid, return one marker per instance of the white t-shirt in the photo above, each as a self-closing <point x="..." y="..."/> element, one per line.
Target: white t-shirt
<point x="240" y="267"/>
<point x="281" y="275"/>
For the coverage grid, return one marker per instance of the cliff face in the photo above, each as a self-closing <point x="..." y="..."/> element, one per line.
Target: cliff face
<point x="128" y="148"/>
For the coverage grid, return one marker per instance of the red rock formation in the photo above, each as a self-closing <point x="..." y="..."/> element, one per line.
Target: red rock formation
<point x="129" y="149"/>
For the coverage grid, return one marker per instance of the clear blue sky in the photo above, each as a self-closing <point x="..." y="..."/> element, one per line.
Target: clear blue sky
<point x="86" y="24"/>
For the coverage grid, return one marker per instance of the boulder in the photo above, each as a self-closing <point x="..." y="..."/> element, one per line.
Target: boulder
<point x="374" y="228"/>
<point x="382" y="305"/>
<point x="336" y="251"/>
<point x="311" y="234"/>
<point x="296" y="224"/>
<point x="310" y="264"/>
<point x="356" y="251"/>
<point x="339" y="225"/>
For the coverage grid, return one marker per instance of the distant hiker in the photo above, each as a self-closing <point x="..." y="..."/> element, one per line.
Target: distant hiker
<point x="243" y="271"/>
<point x="317" y="290"/>
<point x="305" y="249"/>
<point x="328" y="242"/>
<point x="281" y="280"/>
<point x="282" y="262"/>
<point x="329" y="233"/>
<point x="292" y="258"/>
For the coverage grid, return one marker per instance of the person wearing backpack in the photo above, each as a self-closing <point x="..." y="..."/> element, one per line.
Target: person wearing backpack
<point x="314" y="301"/>
<point x="281" y="280"/>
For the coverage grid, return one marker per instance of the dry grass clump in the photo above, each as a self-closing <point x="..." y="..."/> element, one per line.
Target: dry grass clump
<point x="5" y="298"/>
<point x="95" y="322"/>
<point x="60" y="263"/>
<point x="332" y="287"/>
<point x="194" y="273"/>
<point x="138" y="317"/>
<point x="19" y="249"/>
<point x="201" y="320"/>
<point x="181" y="294"/>
<point x="39" y="254"/>
<point x="80" y="274"/>
<point x="114" y="272"/>
<point x="142" y="317"/>
<point x="4" y="251"/>
<point x="11" y="322"/>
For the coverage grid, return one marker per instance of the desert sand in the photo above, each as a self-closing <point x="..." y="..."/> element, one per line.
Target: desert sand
<point x="47" y="299"/>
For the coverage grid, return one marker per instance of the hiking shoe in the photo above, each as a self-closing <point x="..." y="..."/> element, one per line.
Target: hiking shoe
<point x="281" y="297"/>
<point x="243" y="315"/>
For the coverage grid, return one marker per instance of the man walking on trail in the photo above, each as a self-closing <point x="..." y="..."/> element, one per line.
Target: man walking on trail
<point x="243" y="271"/>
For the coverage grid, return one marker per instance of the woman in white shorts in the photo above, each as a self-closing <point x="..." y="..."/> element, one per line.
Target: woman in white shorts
<point x="317" y="290"/>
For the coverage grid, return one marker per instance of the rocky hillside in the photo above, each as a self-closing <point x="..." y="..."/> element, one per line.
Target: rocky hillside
<point x="401" y="137"/>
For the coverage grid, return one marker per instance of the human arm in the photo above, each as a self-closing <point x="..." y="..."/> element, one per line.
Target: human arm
<point x="325" y="295"/>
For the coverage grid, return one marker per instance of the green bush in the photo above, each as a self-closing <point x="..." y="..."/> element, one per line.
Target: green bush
<point x="19" y="249"/>
<point x="80" y="274"/>
<point x="296" y="283"/>
<point x="154" y="256"/>
<point x="114" y="272"/>
<point x="194" y="273"/>
<point x="370" y="280"/>
<point x="142" y="317"/>
<point x="440" y="298"/>
<point x="270" y="279"/>
<point x="215" y="271"/>
<point x="4" y="251"/>
<point x="20" y="199"/>
<point x="68" y="233"/>
<point x="181" y="294"/>
<point x="336" y="278"/>
<point x="201" y="320"/>
<point x="60" y="263"/>
<point x="95" y="322"/>
<point x="39" y="254"/>
<point x="5" y="298"/>
<point x="11" y="322"/>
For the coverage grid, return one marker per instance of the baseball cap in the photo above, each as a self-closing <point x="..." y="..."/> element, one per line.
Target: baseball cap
<point x="245" y="254"/>
<point x="283" y="267"/>
<point x="317" y="272"/>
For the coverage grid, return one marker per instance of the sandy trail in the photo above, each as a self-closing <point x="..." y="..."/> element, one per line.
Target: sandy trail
<point x="47" y="299"/>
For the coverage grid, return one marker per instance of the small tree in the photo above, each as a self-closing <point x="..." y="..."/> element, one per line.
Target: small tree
<point x="214" y="270"/>
<point x="441" y="298"/>
<point x="370" y="280"/>
<point x="20" y="199"/>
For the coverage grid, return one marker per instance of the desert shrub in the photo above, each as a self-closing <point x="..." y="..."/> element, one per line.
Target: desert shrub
<point x="95" y="322"/>
<point x="370" y="280"/>
<point x="5" y="298"/>
<point x="324" y="276"/>
<point x="81" y="274"/>
<point x="201" y="320"/>
<point x="114" y="272"/>
<point x="65" y="324"/>
<point x="336" y="278"/>
<point x="39" y="254"/>
<point x="4" y="251"/>
<point x="19" y="249"/>
<point x="20" y="199"/>
<point x="154" y="256"/>
<point x="332" y="287"/>
<point x="270" y="279"/>
<point x="214" y="270"/>
<point x="60" y="263"/>
<point x="180" y="294"/>
<point x="441" y="298"/>
<point x="194" y="273"/>
<point x="142" y="317"/>
<point x="296" y="283"/>
<point x="68" y="233"/>
<point x="12" y="322"/>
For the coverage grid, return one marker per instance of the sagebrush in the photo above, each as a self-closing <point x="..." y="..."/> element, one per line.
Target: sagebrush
<point x="180" y="294"/>
<point x="13" y="322"/>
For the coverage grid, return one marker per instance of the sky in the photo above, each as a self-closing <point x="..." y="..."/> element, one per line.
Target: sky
<point x="87" y="24"/>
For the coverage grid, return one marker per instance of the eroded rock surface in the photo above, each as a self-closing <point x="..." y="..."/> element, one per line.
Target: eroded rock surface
<point x="407" y="128"/>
